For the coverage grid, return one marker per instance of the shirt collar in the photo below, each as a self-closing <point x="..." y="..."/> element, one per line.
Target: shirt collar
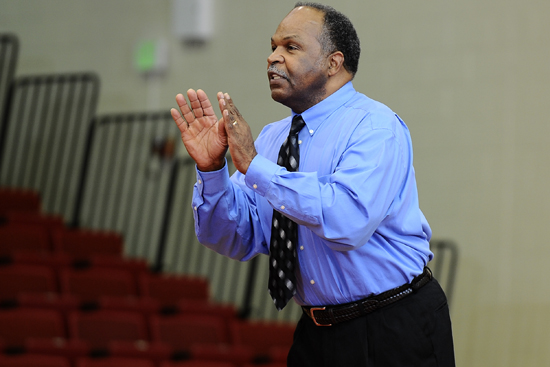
<point x="317" y="114"/>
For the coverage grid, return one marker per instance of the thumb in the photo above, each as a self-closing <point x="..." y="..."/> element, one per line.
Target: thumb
<point x="222" y="133"/>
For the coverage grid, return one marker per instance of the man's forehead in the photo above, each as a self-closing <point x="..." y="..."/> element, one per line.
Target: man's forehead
<point x="287" y="37"/>
<point x="300" y="21"/>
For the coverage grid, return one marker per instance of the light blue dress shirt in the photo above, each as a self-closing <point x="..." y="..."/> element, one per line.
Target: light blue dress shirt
<point x="361" y="231"/>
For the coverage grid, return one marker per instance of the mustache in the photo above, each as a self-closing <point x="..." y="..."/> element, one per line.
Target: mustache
<point x="274" y="69"/>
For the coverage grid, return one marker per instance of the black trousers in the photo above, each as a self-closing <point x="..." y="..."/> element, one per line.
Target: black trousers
<point x="415" y="331"/>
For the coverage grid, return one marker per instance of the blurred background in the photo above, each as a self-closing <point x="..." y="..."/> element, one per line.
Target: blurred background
<point x="470" y="79"/>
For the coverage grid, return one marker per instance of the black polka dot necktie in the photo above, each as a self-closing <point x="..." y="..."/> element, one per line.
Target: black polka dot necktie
<point x="284" y="231"/>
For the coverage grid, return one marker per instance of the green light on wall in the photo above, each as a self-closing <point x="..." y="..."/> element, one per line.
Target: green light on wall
<point x="145" y="56"/>
<point x="151" y="56"/>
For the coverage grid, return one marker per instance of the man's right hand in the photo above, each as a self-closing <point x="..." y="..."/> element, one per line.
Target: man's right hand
<point x="203" y="135"/>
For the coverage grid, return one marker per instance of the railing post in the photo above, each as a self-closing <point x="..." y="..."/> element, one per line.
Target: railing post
<point x="9" y="43"/>
<point x="75" y="221"/>
<point x="159" y="261"/>
<point x="246" y="309"/>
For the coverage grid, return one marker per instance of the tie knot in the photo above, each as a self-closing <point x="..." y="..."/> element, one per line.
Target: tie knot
<point x="297" y="124"/>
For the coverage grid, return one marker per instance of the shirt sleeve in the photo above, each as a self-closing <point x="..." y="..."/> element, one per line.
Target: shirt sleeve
<point x="345" y="207"/>
<point x="226" y="218"/>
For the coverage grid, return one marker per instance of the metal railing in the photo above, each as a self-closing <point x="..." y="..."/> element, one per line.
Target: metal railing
<point x="9" y="52"/>
<point x="45" y="130"/>
<point x="445" y="264"/>
<point x="132" y="182"/>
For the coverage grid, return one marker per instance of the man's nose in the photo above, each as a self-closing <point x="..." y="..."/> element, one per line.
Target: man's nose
<point x="275" y="57"/>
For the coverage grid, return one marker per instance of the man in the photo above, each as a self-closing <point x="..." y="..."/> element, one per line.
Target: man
<point x="349" y="241"/>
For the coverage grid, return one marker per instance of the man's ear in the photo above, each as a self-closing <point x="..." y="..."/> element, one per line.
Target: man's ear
<point x="335" y="63"/>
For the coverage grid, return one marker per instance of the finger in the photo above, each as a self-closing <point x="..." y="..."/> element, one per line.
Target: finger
<point x="184" y="108"/>
<point x="222" y="131"/>
<point x="195" y="103"/>
<point x="197" y="99"/>
<point x="221" y="102"/>
<point x="233" y="111"/>
<point x="178" y="119"/>
<point x="226" y="117"/>
<point x="206" y="106"/>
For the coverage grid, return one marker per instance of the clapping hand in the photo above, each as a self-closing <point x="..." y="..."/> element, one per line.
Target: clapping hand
<point x="240" y="140"/>
<point x="203" y="135"/>
<point x="206" y="138"/>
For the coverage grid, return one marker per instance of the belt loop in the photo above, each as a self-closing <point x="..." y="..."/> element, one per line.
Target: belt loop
<point x="331" y="313"/>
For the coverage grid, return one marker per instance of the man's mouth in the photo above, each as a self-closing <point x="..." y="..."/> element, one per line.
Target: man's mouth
<point x="275" y="74"/>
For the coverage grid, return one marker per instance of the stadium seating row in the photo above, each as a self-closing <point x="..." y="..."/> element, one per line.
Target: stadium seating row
<point x="133" y="335"/>
<point x="101" y="277"/>
<point x="37" y="360"/>
<point x="70" y="298"/>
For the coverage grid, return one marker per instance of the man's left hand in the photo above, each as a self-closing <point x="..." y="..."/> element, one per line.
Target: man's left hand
<point x="241" y="142"/>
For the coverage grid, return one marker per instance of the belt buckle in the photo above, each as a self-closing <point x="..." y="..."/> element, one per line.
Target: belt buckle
<point x="312" y="315"/>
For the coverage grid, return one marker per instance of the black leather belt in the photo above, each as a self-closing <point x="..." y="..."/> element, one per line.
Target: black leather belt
<point x="330" y="315"/>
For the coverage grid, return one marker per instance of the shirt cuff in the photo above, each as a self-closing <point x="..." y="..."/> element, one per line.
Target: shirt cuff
<point x="259" y="174"/>
<point x="213" y="181"/>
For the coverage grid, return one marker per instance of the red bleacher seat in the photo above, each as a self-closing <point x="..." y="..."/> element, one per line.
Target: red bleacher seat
<point x="101" y="327"/>
<point x="19" y="324"/>
<point x="206" y="307"/>
<point x="33" y="360"/>
<point x="170" y="289"/>
<point x="83" y="243"/>
<point x="237" y="354"/>
<point x="181" y="331"/>
<point x="134" y="265"/>
<point x="114" y="362"/>
<point x="262" y="336"/>
<point x="53" y="301"/>
<point x="17" y="199"/>
<point x="90" y="284"/>
<point x="143" y="305"/>
<point x="50" y="222"/>
<point x="23" y="237"/>
<point x="140" y="349"/>
<point x="21" y="278"/>
<point x="225" y="311"/>
<point x="197" y="363"/>
<point x="70" y="348"/>
<point x="50" y="259"/>
<point x="278" y="354"/>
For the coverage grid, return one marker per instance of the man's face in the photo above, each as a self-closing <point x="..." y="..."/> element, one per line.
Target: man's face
<point x="297" y="67"/>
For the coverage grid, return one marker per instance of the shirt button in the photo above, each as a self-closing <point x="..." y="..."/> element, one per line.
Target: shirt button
<point x="282" y="207"/>
<point x="302" y="248"/>
<point x="311" y="131"/>
<point x="200" y="181"/>
<point x="299" y="142"/>
<point x="255" y="186"/>
<point x="195" y="208"/>
<point x="312" y="281"/>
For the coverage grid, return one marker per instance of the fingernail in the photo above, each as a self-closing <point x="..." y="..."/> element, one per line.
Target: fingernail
<point x="227" y="96"/>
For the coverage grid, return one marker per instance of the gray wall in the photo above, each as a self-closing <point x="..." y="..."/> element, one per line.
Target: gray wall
<point x="469" y="77"/>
